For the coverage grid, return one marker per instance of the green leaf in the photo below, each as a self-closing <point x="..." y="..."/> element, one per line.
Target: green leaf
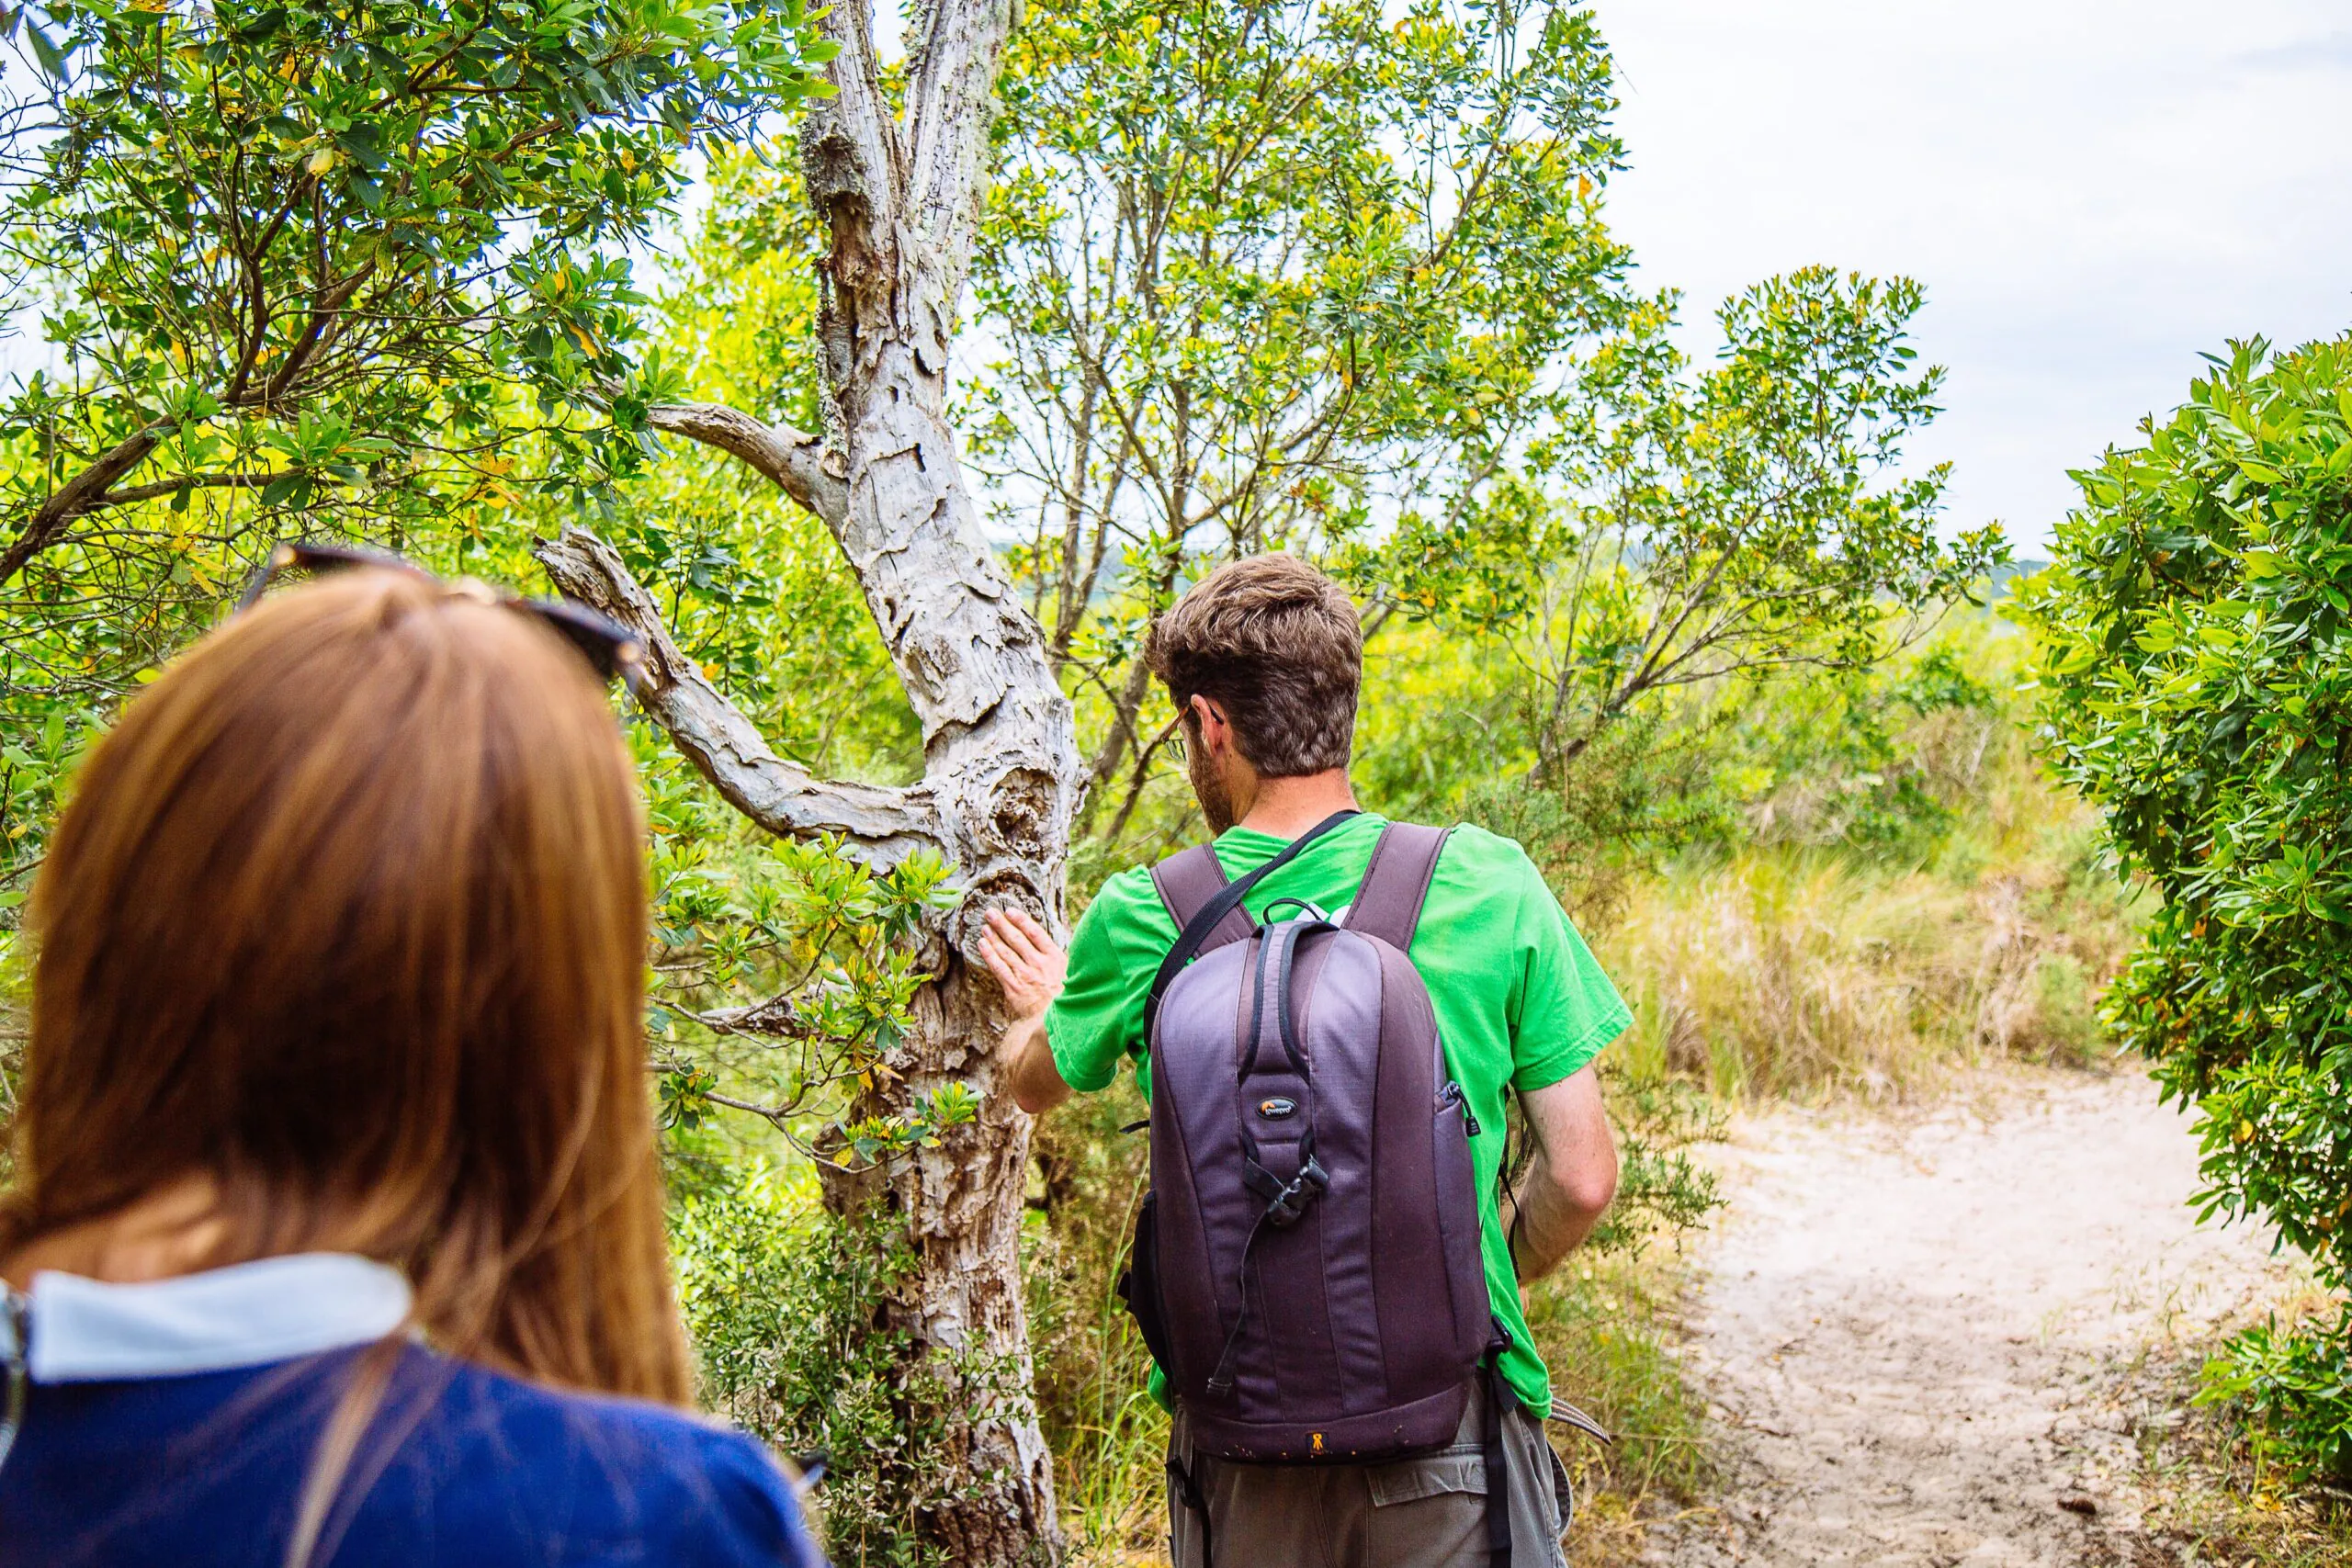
<point x="48" y="55"/>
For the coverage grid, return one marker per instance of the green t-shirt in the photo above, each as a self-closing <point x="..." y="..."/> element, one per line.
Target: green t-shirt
<point x="1519" y="1000"/>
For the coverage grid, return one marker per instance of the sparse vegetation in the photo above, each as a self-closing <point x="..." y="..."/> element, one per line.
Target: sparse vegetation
<point x="2212" y="1487"/>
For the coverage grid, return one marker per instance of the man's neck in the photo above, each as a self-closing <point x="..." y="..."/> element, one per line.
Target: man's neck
<point x="1285" y="808"/>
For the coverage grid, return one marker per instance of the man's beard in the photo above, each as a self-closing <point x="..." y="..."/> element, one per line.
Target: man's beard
<point x="1216" y="801"/>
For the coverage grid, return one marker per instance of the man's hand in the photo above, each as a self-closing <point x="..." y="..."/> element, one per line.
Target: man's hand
<point x="1029" y="968"/>
<point x="1026" y="963"/>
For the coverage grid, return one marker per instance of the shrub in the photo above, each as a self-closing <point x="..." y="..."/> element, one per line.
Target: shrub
<point x="789" y="1310"/>
<point x="2196" y="633"/>
<point x="1109" y="1439"/>
<point x="2295" y="1385"/>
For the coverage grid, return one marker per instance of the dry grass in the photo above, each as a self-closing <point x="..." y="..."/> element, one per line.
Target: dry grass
<point x="1109" y="1440"/>
<point x="1604" y="1326"/>
<point x="1787" y="970"/>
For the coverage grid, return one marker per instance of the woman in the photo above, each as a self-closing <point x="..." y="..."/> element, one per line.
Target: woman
<point x="337" y="1232"/>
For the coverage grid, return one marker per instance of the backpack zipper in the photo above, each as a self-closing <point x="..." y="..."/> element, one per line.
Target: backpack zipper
<point x="1452" y="1095"/>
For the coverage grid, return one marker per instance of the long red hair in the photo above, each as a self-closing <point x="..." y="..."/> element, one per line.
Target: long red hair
<point x="347" y="913"/>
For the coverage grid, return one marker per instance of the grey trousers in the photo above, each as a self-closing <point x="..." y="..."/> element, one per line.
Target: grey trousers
<point x="1429" y="1512"/>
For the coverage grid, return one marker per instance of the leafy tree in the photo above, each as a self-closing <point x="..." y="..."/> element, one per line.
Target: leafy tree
<point x="324" y="266"/>
<point x="1316" y="278"/>
<point x="2196" y="652"/>
<point x="1260" y="275"/>
<point x="893" y="180"/>
<point x="1674" y="529"/>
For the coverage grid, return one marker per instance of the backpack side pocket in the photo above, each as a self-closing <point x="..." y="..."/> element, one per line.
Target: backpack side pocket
<point x="1139" y="1286"/>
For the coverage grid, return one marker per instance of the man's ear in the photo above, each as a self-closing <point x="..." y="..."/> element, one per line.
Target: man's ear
<point x="1209" y="719"/>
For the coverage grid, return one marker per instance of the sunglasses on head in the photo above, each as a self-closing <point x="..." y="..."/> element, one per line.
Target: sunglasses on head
<point x="611" y="649"/>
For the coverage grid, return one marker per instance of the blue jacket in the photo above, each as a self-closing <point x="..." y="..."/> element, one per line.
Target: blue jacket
<point x="461" y="1468"/>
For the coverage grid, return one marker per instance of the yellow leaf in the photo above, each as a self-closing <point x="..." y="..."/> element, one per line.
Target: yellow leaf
<point x="323" y="159"/>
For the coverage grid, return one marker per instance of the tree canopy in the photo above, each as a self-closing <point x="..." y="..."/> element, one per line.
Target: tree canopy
<point x="1671" y="527"/>
<point x="332" y="267"/>
<point x="1259" y="276"/>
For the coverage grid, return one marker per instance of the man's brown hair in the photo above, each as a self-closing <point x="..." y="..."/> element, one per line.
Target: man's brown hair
<point x="1277" y="645"/>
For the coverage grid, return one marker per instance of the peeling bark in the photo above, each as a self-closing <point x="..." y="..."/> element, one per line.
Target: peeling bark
<point x="1003" y="777"/>
<point x="796" y="464"/>
<point x="876" y="825"/>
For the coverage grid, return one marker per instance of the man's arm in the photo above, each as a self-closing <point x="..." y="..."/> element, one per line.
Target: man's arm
<point x="1030" y="968"/>
<point x="1571" y="1178"/>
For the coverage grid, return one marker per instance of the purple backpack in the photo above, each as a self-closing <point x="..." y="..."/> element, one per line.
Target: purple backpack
<point x="1306" y="1269"/>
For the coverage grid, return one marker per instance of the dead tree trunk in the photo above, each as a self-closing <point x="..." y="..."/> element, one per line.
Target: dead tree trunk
<point x="1002" y="780"/>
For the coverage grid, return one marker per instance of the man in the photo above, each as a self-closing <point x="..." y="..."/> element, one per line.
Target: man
<point x="1262" y="660"/>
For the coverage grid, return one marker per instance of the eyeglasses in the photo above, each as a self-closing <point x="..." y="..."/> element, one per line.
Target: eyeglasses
<point x="611" y="649"/>
<point x="1181" y="735"/>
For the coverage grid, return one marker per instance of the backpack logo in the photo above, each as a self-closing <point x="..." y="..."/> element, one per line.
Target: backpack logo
<point x="1274" y="1109"/>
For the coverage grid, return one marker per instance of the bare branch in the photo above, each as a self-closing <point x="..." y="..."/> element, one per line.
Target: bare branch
<point x="777" y="1017"/>
<point x="952" y="100"/>
<point x="78" y="495"/>
<point x="796" y="464"/>
<point x="878" y="826"/>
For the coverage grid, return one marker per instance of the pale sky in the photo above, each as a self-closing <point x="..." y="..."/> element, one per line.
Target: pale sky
<point x="2091" y="190"/>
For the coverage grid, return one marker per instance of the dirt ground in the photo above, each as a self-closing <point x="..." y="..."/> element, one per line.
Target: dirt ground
<point x="1910" y="1328"/>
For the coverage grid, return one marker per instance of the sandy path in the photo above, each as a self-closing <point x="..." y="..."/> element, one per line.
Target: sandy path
<point x="1906" y="1326"/>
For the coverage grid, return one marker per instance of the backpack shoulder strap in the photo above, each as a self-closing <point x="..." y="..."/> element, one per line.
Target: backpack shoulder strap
<point x="1187" y="882"/>
<point x="1220" y="919"/>
<point x="1388" y="904"/>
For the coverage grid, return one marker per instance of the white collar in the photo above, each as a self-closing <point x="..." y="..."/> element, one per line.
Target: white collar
<point x="244" y="1315"/>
